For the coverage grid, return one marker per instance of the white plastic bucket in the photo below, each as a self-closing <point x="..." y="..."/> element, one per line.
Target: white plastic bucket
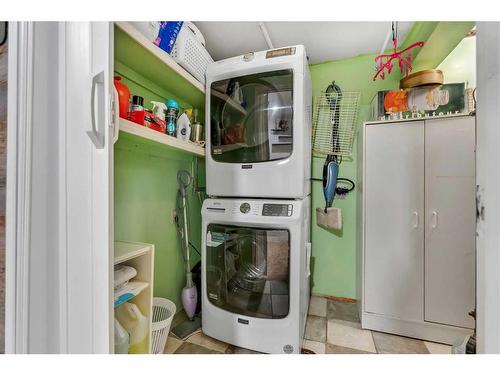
<point x="163" y="313"/>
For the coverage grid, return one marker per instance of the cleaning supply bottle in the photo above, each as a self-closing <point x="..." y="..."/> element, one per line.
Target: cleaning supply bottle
<point x="123" y="97"/>
<point x="183" y="127"/>
<point x="171" y="116"/>
<point x="136" y="324"/>
<point x="122" y="339"/>
<point x="159" y="109"/>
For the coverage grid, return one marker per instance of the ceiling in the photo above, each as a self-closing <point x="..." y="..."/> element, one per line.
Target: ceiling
<point x="324" y="41"/>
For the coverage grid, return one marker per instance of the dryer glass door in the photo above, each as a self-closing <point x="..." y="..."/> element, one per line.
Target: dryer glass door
<point x="247" y="270"/>
<point x="252" y="117"/>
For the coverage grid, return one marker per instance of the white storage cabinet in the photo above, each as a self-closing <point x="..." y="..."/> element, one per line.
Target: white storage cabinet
<point x="417" y="245"/>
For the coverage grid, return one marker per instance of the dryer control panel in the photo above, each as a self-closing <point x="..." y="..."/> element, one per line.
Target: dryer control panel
<point x="273" y="209"/>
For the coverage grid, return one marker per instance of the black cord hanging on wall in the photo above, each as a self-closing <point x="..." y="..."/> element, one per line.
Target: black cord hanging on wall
<point x="343" y="187"/>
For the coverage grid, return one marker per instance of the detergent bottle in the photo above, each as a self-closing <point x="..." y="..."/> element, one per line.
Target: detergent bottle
<point x="171" y="116"/>
<point x="136" y="324"/>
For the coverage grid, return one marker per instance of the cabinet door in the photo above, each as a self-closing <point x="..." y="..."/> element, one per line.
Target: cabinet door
<point x="88" y="219"/>
<point x="394" y="205"/>
<point x="450" y="221"/>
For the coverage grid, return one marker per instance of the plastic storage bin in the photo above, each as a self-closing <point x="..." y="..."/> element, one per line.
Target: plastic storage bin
<point x="189" y="53"/>
<point x="163" y="313"/>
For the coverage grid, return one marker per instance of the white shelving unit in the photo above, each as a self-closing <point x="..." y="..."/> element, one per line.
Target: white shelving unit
<point x="141" y="257"/>
<point x="159" y="53"/>
<point x="153" y="135"/>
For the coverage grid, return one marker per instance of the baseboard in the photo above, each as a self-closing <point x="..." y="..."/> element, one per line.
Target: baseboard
<point x="334" y="298"/>
<point x="420" y="330"/>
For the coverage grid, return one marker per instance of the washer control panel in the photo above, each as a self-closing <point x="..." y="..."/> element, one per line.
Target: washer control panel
<point x="273" y="209"/>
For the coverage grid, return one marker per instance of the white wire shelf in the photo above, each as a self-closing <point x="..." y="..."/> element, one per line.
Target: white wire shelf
<point x="334" y="123"/>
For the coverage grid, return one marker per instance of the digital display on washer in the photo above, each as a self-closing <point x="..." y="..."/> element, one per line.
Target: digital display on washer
<point x="277" y="209"/>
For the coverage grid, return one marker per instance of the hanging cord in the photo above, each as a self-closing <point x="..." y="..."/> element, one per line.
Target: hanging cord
<point x="338" y="189"/>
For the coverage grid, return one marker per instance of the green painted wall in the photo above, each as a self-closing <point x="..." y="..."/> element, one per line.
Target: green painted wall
<point x="444" y="38"/>
<point x="334" y="253"/>
<point x="460" y="65"/>
<point x="145" y="194"/>
<point x="145" y="184"/>
<point x="145" y="178"/>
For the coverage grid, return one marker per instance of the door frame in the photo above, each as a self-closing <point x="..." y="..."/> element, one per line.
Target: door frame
<point x="488" y="188"/>
<point x="18" y="192"/>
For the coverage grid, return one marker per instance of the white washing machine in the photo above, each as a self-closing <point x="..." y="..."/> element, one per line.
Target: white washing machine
<point x="255" y="273"/>
<point x="258" y="125"/>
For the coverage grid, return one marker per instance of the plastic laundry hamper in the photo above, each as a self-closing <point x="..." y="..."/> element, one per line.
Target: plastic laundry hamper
<point x="189" y="53"/>
<point x="163" y="313"/>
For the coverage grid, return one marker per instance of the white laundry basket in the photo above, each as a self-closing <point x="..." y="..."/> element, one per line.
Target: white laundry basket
<point x="163" y="313"/>
<point x="189" y="53"/>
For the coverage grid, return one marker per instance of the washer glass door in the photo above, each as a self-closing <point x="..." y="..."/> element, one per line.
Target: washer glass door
<point x="247" y="270"/>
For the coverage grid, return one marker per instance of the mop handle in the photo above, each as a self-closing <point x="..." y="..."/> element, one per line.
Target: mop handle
<point x="186" y="238"/>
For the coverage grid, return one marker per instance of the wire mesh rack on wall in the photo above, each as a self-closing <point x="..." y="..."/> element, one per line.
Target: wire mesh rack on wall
<point x="334" y="123"/>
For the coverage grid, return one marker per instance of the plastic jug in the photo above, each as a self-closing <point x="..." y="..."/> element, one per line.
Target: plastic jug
<point x="123" y="97"/>
<point x="136" y="324"/>
<point x="122" y="339"/>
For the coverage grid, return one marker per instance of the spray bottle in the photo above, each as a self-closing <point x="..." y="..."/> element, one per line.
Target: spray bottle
<point x="159" y="109"/>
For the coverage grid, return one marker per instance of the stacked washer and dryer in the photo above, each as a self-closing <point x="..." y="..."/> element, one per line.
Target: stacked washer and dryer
<point x="256" y="224"/>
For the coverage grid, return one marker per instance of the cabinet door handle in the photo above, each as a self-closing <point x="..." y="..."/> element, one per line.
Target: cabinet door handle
<point x="434" y="222"/>
<point x="95" y="135"/>
<point x="415" y="219"/>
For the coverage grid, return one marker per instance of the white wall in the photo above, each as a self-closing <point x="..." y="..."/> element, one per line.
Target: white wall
<point x="460" y="64"/>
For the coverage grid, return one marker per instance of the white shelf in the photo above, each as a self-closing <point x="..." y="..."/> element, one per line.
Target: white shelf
<point x="125" y="250"/>
<point x="139" y="287"/>
<point x="153" y="135"/>
<point x="141" y="257"/>
<point x="159" y="53"/>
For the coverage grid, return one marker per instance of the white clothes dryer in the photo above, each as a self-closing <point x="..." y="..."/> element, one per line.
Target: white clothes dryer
<point x="258" y="125"/>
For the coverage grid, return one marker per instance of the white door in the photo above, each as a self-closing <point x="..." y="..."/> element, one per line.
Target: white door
<point x="59" y="193"/>
<point x="488" y="187"/>
<point x="88" y="212"/>
<point x="394" y="231"/>
<point x="450" y="221"/>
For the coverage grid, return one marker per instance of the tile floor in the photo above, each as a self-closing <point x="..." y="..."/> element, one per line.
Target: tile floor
<point x="332" y="327"/>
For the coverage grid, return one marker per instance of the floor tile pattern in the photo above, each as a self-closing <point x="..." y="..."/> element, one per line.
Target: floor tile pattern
<point x="332" y="327"/>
